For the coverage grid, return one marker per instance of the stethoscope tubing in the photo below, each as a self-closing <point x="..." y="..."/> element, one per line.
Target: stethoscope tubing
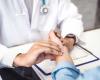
<point x="43" y="2"/>
<point x="44" y="8"/>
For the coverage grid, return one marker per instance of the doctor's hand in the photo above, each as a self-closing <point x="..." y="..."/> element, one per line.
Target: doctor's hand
<point x="37" y="53"/>
<point x="57" y="38"/>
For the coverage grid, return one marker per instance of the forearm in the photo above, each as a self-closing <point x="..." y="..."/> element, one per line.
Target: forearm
<point x="65" y="57"/>
<point x="23" y="60"/>
<point x="65" y="68"/>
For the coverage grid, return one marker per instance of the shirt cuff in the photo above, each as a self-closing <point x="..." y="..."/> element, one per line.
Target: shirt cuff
<point x="65" y="65"/>
<point x="72" y="26"/>
<point x="7" y="58"/>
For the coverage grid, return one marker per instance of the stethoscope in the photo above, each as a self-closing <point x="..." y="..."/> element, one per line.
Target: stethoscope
<point x="43" y="7"/>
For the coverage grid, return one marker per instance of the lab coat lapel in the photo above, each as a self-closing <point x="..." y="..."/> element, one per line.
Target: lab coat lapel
<point x="18" y="7"/>
<point x="35" y="14"/>
<point x="21" y="12"/>
<point x="44" y="22"/>
<point x="39" y="19"/>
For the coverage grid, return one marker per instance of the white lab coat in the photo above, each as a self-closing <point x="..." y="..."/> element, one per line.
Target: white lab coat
<point x="16" y="28"/>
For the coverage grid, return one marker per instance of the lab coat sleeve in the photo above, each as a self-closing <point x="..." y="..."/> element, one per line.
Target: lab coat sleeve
<point x="69" y="19"/>
<point x="6" y="57"/>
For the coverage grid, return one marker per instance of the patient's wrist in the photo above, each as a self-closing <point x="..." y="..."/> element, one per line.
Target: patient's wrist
<point x="64" y="57"/>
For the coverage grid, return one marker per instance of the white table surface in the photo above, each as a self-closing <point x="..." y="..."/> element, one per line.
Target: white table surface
<point x="91" y="41"/>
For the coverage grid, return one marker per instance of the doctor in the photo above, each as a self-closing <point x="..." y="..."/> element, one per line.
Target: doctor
<point x="24" y="21"/>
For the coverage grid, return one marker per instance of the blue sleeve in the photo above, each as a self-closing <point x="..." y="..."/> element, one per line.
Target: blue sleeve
<point x="67" y="71"/>
<point x="92" y="74"/>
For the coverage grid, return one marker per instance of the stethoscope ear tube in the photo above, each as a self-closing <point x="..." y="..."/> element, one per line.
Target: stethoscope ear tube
<point x="43" y="2"/>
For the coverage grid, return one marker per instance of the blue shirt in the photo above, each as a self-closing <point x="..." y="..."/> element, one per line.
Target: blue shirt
<point x="68" y="71"/>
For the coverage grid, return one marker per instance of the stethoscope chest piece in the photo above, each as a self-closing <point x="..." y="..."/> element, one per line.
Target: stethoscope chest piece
<point x="44" y="9"/>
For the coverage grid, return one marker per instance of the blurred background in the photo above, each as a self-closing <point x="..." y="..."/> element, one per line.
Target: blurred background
<point x="90" y="9"/>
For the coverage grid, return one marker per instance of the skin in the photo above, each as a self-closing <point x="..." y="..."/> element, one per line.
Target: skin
<point x="55" y="49"/>
<point x="37" y="53"/>
<point x="65" y="44"/>
<point x="57" y="38"/>
<point x="65" y="57"/>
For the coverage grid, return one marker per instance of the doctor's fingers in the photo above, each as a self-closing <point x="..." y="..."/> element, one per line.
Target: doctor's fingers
<point x="47" y="50"/>
<point x="42" y="57"/>
<point x="55" y="37"/>
<point x="50" y="56"/>
<point x="48" y="44"/>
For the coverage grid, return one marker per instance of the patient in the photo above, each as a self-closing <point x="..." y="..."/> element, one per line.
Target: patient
<point x="66" y="70"/>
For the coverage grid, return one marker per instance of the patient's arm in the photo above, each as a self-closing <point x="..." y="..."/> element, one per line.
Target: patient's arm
<point x="65" y="57"/>
<point x="65" y="69"/>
